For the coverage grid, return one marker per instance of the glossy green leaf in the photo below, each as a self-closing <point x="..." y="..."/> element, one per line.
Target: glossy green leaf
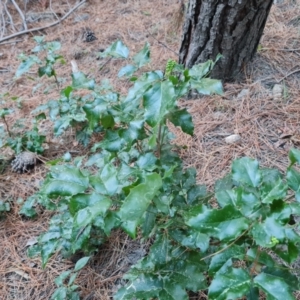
<point x="207" y="86"/>
<point x="111" y="221"/>
<point x="294" y="156"/>
<point x="149" y="221"/>
<point x="82" y="200"/>
<point x="134" y="131"/>
<point x="247" y="203"/>
<point x="59" y="281"/>
<point x="219" y="260"/>
<point x="117" y="49"/>
<point x="288" y="253"/>
<point x="112" y="142"/>
<point x="86" y="215"/>
<point x="188" y="271"/>
<point x="289" y="277"/>
<point x="199" y="71"/>
<point x="107" y="121"/>
<point x="26" y="64"/>
<point x="225" y="224"/>
<point x="233" y="283"/>
<point x="145" y="287"/>
<point x="191" y="239"/>
<point x="72" y="279"/>
<point x="264" y="231"/>
<point x="33" y="251"/>
<point x="80" y="81"/>
<point x="132" y="101"/>
<point x="274" y="287"/>
<point x="48" y="236"/>
<point x="160" y="250"/>
<point x="27" y="208"/>
<point x="147" y="161"/>
<point x="197" y="193"/>
<point x="109" y="178"/>
<point x="65" y="181"/>
<point x="5" y="111"/>
<point x="253" y="293"/>
<point x="172" y="291"/>
<point x="53" y="46"/>
<point x="158" y="101"/>
<point x="293" y="180"/>
<point x="93" y="112"/>
<point x="81" y="263"/>
<point x="274" y="190"/>
<point x="80" y="237"/>
<point x="61" y="125"/>
<point x="139" y="198"/>
<point x="127" y="70"/>
<point x="142" y="57"/>
<point x="163" y="203"/>
<point x="60" y="294"/>
<point x="46" y="70"/>
<point x="258" y="255"/>
<point x="182" y="119"/>
<point x="47" y="250"/>
<point x="130" y="227"/>
<point x="245" y="170"/>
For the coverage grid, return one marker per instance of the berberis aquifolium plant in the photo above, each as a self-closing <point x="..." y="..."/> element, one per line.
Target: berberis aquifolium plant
<point x="239" y="241"/>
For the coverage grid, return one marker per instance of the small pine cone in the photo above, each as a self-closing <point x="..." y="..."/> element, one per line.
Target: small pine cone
<point x="89" y="36"/>
<point x="24" y="162"/>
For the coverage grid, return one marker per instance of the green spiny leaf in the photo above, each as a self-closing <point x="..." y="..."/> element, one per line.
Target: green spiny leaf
<point x="139" y="198"/>
<point x="182" y="119"/>
<point x="143" y="57"/>
<point x="117" y="49"/>
<point x="158" y="101"/>
<point x="275" y="287"/>
<point x="245" y="170"/>
<point x="225" y="224"/>
<point x="233" y="283"/>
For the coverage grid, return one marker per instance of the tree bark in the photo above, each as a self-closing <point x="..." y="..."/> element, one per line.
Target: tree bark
<point x="232" y="28"/>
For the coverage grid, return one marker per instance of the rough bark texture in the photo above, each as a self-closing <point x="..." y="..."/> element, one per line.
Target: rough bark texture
<point x="232" y="28"/>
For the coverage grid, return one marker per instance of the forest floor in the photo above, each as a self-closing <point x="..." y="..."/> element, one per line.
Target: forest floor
<point x="267" y="120"/>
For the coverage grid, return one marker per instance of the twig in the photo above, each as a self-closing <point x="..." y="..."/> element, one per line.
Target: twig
<point x="43" y="27"/>
<point x="11" y="42"/>
<point x="2" y="23"/>
<point x="50" y="5"/>
<point x="20" y="13"/>
<point x="161" y="43"/>
<point x="288" y="50"/>
<point x="296" y="71"/>
<point x="105" y="63"/>
<point x="10" y="18"/>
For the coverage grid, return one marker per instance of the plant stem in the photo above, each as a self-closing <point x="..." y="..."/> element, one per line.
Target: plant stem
<point x="7" y="127"/>
<point x="159" y="140"/>
<point x="57" y="83"/>
<point x="229" y="245"/>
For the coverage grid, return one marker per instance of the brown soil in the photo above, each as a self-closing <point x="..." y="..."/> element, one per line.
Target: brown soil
<point x="268" y="123"/>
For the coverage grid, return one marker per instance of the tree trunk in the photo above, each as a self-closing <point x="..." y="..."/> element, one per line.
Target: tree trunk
<point x="232" y="28"/>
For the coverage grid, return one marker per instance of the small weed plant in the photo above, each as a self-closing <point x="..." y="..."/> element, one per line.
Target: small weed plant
<point x="236" y="242"/>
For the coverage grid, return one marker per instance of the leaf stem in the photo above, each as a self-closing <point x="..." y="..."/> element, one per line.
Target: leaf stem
<point x="159" y="141"/>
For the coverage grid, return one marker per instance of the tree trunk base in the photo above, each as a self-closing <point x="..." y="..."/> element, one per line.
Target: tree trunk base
<point x="232" y="28"/>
